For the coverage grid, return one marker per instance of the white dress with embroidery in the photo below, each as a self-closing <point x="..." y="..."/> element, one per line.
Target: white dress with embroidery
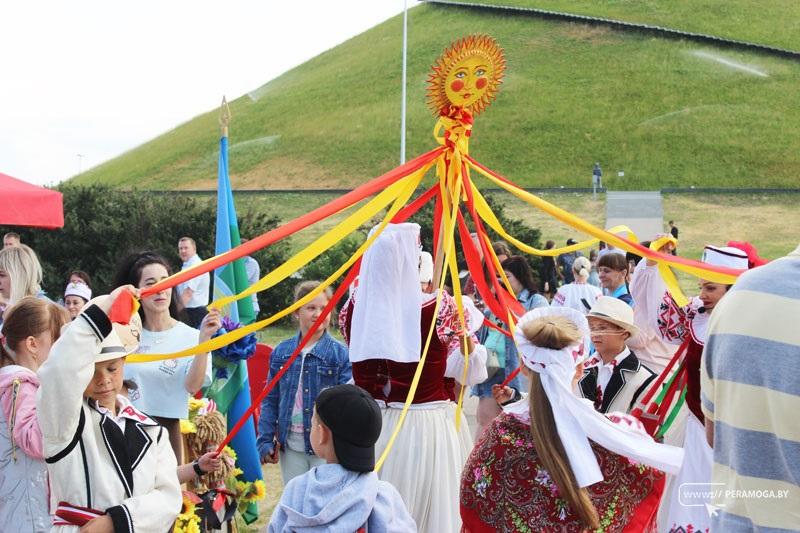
<point x="657" y="311"/>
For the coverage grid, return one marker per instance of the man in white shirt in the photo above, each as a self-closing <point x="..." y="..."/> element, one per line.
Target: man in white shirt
<point x="193" y="294"/>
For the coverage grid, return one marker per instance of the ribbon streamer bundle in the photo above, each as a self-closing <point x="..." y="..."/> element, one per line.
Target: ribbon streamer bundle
<point x="463" y="82"/>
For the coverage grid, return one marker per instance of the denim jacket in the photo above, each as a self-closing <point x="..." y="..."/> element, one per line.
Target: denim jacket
<point x="326" y="365"/>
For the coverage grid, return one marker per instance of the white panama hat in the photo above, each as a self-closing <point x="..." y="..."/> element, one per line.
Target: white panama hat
<point x="615" y="311"/>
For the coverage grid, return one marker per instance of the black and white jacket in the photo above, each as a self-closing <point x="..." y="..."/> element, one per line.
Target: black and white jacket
<point x="91" y="462"/>
<point x="629" y="380"/>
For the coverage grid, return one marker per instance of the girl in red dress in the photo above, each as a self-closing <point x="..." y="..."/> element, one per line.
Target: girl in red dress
<point x="550" y="462"/>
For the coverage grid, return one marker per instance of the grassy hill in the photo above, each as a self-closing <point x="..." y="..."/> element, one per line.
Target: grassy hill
<point x="574" y="94"/>
<point x="774" y="22"/>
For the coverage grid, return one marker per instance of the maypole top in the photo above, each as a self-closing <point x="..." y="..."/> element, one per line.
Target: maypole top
<point x="467" y="76"/>
<point x="224" y="117"/>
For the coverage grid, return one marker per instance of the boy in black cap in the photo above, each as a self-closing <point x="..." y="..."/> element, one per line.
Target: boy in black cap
<point x="344" y="494"/>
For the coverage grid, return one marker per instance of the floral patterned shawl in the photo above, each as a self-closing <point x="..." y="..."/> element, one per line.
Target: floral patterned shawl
<point x="505" y="488"/>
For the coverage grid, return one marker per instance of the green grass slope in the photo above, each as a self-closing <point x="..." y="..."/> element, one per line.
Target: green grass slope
<point x="573" y="94"/>
<point x="773" y="22"/>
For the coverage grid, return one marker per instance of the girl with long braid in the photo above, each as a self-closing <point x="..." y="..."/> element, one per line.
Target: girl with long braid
<point x="550" y="462"/>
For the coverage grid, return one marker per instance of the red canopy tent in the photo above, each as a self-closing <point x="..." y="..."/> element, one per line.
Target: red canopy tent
<point x="25" y="204"/>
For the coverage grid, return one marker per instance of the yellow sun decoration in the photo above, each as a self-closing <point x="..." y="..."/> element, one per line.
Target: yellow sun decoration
<point x="467" y="75"/>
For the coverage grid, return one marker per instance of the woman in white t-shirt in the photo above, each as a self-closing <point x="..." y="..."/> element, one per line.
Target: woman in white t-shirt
<point x="574" y="294"/>
<point x="164" y="386"/>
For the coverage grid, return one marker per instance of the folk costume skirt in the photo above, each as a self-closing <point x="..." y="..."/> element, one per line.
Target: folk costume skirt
<point x="425" y="462"/>
<point x="686" y="496"/>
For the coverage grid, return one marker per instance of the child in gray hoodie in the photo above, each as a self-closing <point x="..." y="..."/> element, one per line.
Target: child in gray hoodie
<point x="344" y="495"/>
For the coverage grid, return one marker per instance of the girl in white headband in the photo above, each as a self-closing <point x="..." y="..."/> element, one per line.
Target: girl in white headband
<point x="550" y="461"/>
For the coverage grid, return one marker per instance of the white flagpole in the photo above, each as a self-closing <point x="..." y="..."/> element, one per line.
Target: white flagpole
<point x="403" y="102"/>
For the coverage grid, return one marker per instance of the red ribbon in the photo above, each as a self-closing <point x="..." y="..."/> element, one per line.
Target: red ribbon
<point x="489" y="324"/>
<point x="122" y="308"/>
<point x="511" y="376"/>
<point x="504" y="300"/>
<point x="645" y="401"/>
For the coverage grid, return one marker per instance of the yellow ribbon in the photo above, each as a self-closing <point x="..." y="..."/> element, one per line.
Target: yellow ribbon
<point x="462" y="320"/>
<point x="453" y="266"/>
<point x="666" y="273"/>
<point x="486" y="213"/>
<point x="411" y="182"/>
<point x="659" y="243"/>
<point x="598" y="233"/>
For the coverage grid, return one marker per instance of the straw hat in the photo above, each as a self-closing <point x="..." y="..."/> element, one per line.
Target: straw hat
<point x="615" y="311"/>
<point x="123" y="339"/>
<point x="121" y="342"/>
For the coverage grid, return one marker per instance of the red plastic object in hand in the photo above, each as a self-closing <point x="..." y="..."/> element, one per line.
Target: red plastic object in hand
<point x="122" y="309"/>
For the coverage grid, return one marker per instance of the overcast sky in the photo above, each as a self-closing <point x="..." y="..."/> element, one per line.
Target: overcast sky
<point x="97" y="77"/>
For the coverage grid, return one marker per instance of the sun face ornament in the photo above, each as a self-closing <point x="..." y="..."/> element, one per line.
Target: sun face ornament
<point x="466" y="76"/>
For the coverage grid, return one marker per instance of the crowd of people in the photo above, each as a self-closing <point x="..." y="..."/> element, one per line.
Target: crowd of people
<point x="89" y="441"/>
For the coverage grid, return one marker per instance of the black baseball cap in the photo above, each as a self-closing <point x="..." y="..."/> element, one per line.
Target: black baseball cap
<point x="354" y="419"/>
<point x="570" y="242"/>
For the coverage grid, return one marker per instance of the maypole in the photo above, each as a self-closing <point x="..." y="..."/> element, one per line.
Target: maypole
<point x="464" y="80"/>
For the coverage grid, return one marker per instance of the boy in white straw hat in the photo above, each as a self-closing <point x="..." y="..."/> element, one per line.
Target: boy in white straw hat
<point x="614" y="378"/>
<point x="111" y="466"/>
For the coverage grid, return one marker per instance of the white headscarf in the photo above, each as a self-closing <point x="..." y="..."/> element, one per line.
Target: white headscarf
<point x="472" y="315"/>
<point x="576" y="419"/>
<point x="388" y="304"/>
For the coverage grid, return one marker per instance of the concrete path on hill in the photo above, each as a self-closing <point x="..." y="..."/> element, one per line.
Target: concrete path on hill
<point x="639" y="210"/>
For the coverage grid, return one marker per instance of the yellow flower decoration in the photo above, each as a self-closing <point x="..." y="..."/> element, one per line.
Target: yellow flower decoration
<point x="195" y="404"/>
<point x="188" y="521"/>
<point x="189" y="527"/>
<point x="261" y="489"/>
<point x="187" y="427"/>
<point x="250" y="492"/>
<point x="229" y="452"/>
<point x="236" y="472"/>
